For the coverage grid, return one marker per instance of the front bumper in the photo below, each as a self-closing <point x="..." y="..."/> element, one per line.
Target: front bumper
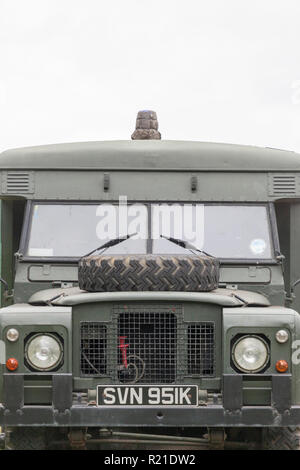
<point x="64" y="412"/>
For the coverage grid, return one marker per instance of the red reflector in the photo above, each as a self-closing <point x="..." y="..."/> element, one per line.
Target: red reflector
<point x="12" y="363"/>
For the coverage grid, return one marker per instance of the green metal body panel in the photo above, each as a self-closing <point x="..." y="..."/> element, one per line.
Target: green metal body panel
<point x="264" y="322"/>
<point x="74" y="296"/>
<point x="28" y="320"/>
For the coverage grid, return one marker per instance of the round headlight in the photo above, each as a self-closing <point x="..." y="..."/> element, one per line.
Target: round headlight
<point x="282" y="336"/>
<point x="250" y="354"/>
<point x="43" y="352"/>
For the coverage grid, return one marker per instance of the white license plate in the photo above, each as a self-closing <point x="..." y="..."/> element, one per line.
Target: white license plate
<point x="147" y="395"/>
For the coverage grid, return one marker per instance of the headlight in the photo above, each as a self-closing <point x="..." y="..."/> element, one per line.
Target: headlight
<point x="250" y="354"/>
<point x="43" y="352"/>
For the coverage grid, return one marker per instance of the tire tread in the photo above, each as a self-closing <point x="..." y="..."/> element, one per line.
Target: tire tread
<point x="105" y="273"/>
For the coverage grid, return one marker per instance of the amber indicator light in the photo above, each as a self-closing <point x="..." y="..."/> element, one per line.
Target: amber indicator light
<point x="282" y="365"/>
<point x="12" y="363"/>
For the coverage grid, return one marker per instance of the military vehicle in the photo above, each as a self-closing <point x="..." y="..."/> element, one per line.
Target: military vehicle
<point x="150" y="285"/>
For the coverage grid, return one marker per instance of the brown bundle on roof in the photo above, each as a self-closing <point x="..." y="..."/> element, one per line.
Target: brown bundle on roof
<point x="146" y="126"/>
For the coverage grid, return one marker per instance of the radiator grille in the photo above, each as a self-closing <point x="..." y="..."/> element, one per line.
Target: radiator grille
<point x="201" y="349"/>
<point x="93" y="349"/>
<point x="151" y="346"/>
<point x="148" y="341"/>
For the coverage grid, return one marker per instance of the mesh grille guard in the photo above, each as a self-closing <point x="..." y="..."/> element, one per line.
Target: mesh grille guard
<point x="147" y="345"/>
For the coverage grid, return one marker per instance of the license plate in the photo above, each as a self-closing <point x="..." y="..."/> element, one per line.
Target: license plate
<point x="145" y="395"/>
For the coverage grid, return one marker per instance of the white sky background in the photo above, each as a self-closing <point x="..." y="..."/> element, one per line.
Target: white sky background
<point x="214" y="70"/>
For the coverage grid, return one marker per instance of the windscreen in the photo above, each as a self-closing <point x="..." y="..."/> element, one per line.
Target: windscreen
<point x="228" y="231"/>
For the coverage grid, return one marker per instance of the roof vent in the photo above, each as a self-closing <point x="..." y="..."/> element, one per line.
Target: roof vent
<point x="17" y="182"/>
<point x="283" y="184"/>
<point x="146" y="127"/>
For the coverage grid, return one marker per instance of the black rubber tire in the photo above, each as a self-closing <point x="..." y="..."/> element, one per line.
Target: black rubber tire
<point x="26" y="439"/>
<point x="281" y="438"/>
<point x="105" y="273"/>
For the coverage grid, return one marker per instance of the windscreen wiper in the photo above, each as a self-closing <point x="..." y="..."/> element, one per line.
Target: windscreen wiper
<point x="110" y="243"/>
<point x="185" y="244"/>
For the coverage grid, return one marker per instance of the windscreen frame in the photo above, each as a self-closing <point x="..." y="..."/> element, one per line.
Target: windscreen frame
<point x="272" y="226"/>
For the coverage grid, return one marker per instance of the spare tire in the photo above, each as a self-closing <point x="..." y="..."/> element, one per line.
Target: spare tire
<point x="192" y="273"/>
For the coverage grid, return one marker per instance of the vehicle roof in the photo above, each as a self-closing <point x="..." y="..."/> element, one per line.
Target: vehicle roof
<point x="150" y="155"/>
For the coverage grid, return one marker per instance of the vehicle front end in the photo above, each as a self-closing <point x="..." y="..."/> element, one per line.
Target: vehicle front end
<point x="208" y="361"/>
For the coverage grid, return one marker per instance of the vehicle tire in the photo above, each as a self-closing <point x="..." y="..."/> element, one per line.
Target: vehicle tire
<point x="281" y="438"/>
<point x="26" y="439"/>
<point x="105" y="273"/>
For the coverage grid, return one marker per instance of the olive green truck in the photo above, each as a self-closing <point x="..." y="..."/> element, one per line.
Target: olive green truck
<point x="149" y="284"/>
